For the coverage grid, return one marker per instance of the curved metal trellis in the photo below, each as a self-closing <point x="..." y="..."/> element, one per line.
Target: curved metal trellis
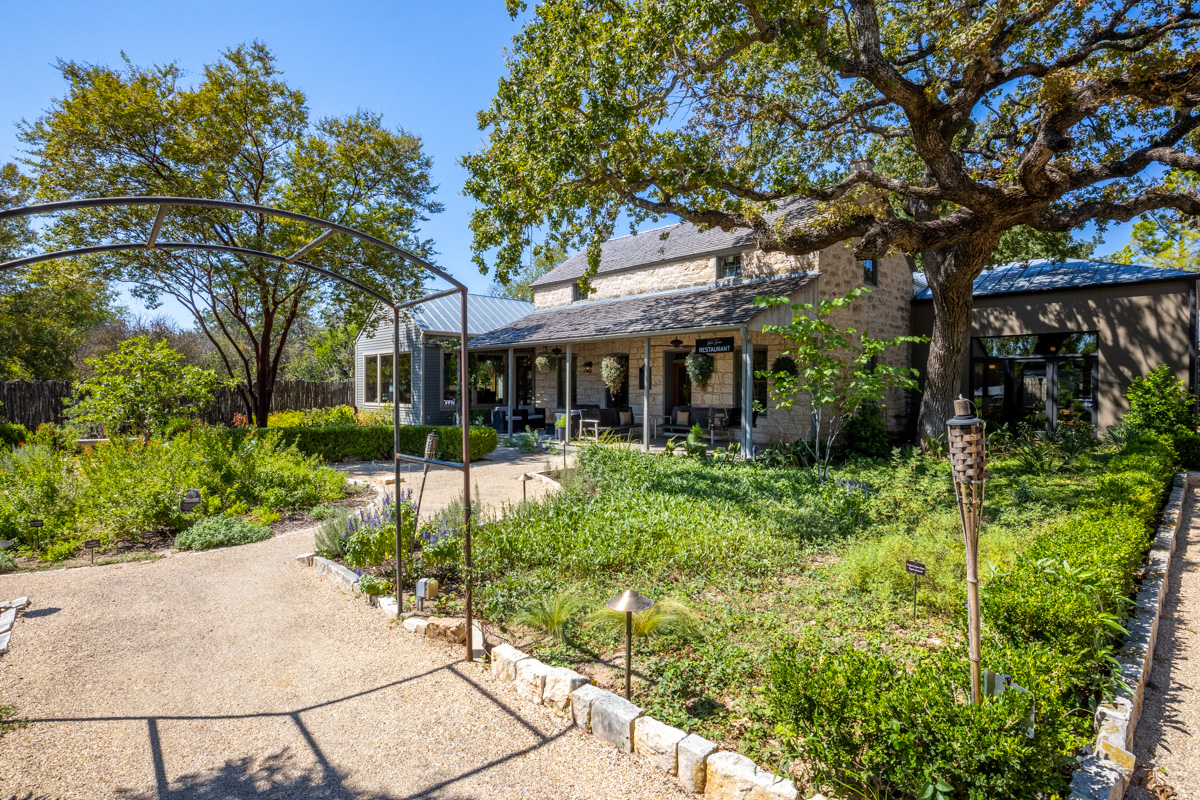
<point x="330" y="229"/>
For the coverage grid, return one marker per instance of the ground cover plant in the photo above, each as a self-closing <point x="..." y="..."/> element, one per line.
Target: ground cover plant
<point x="804" y="650"/>
<point x="127" y="488"/>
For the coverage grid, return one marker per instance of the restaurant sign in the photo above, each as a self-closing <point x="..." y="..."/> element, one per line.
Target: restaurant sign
<point x="721" y="344"/>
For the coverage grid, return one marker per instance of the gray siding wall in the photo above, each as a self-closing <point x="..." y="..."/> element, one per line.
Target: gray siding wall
<point x="380" y="341"/>
<point x="436" y="413"/>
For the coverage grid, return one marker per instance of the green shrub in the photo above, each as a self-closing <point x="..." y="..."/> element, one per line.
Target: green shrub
<point x="220" y="532"/>
<point x="337" y="443"/>
<point x="866" y="434"/>
<point x="313" y="418"/>
<point x="373" y="585"/>
<point x="1159" y="404"/>
<point x="12" y="434"/>
<point x="330" y="538"/>
<point x="370" y="546"/>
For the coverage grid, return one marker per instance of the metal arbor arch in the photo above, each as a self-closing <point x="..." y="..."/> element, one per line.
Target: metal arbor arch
<point x="330" y="229"/>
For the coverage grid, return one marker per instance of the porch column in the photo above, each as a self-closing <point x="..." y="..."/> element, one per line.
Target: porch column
<point x="512" y="389"/>
<point x="567" y="401"/>
<point x="646" y="395"/>
<point x="747" y="391"/>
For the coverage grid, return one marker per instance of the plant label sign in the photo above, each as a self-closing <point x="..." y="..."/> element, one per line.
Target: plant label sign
<point x="190" y="501"/>
<point x="36" y="523"/>
<point x="914" y="567"/>
<point x="92" y="544"/>
<point x="720" y="344"/>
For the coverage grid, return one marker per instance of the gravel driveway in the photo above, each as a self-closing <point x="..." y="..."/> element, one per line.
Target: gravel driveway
<point x="1167" y="741"/>
<point x="238" y="674"/>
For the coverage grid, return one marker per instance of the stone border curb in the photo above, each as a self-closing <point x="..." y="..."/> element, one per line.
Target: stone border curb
<point x="698" y="764"/>
<point x="8" y="619"/>
<point x="1105" y="773"/>
<point x="345" y="578"/>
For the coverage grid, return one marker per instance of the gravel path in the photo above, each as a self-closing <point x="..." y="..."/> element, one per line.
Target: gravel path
<point x="1166" y="742"/>
<point x="493" y="479"/>
<point x="237" y="673"/>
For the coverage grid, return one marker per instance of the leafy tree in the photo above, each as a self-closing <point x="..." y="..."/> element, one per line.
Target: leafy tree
<point x="1166" y="238"/>
<point x="1161" y="405"/>
<point x="1023" y="243"/>
<point x="46" y="310"/>
<point x="519" y="285"/>
<point x="326" y="353"/>
<point x="240" y="133"/>
<point x="139" y="388"/>
<point x="837" y="370"/>
<point x="976" y="117"/>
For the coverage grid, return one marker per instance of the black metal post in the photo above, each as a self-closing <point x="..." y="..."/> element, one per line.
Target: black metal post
<point x="464" y="405"/>
<point x="628" y="653"/>
<point x="396" y="461"/>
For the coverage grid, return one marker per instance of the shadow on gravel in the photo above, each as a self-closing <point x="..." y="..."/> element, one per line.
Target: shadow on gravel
<point x="40" y="612"/>
<point x="280" y="775"/>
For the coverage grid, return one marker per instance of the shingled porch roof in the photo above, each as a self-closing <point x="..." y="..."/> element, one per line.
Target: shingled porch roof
<point x="725" y="306"/>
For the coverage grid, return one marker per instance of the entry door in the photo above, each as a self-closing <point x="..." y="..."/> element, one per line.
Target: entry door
<point x="1031" y="382"/>
<point x="682" y="385"/>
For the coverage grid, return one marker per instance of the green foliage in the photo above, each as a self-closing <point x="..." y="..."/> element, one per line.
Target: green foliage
<point x="374" y="585"/>
<point x="696" y="443"/>
<point x="239" y="132"/>
<point x="551" y="615"/>
<point x="121" y="489"/>
<point x="865" y="433"/>
<point x="700" y="368"/>
<point x="614" y="368"/>
<point x="1165" y="238"/>
<point x="527" y="442"/>
<point x="220" y="531"/>
<point x="666" y="616"/>
<point x="12" y="434"/>
<point x="837" y="370"/>
<point x="373" y="442"/>
<point x="369" y="546"/>
<point x="314" y="418"/>
<point x="330" y="538"/>
<point x="1160" y="404"/>
<point x="139" y="388"/>
<point x="518" y="285"/>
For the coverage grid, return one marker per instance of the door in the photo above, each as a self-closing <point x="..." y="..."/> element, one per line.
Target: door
<point x="1029" y="392"/>
<point x="681" y="384"/>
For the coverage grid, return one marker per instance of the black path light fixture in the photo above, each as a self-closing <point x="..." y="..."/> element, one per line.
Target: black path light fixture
<point x="328" y="229"/>
<point x="968" y="463"/>
<point x="629" y="602"/>
<point x="525" y="479"/>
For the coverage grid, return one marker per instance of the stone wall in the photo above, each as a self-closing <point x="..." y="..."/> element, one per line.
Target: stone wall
<point x="688" y="273"/>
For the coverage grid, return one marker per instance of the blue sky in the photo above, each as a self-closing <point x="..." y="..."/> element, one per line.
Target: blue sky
<point x="428" y="66"/>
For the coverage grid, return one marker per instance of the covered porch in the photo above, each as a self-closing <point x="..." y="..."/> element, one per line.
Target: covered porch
<point x="553" y="366"/>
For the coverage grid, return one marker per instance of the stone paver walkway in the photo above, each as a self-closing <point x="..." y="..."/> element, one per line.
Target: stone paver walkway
<point x="237" y="674"/>
<point x="1167" y="741"/>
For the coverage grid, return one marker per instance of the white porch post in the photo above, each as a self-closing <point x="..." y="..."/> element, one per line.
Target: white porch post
<point x="646" y="395"/>
<point x="512" y="389"/>
<point x="567" y="402"/>
<point x="747" y="391"/>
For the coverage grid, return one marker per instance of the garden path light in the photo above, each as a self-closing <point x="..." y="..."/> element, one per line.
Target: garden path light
<point x="629" y="601"/>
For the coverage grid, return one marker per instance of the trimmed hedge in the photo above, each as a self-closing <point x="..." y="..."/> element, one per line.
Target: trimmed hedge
<point x="1051" y="621"/>
<point x="374" y="442"/>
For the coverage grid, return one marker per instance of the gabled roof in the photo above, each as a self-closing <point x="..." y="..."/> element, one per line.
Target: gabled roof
<point x="484" y="313"/>
<point x="723" y="306"/>
<point x="1043" y="274"/>
<point x="670" y="243"/>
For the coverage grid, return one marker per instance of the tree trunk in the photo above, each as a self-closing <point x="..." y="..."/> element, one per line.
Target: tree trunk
<point x="951" y="275"/>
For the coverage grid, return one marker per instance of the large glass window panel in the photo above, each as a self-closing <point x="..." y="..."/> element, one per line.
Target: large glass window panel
<point x="988" y="383"/>
<point x="524" y="395"/>
<point x="371" y="379"/>
<point x="1029" y="389"/>
<point x="404" y="379"/>
<point x="386" y="383"/>
<point x="1077" y="391"/>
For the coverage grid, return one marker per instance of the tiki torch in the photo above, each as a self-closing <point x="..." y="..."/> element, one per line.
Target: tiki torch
<point x="968" y="463"/>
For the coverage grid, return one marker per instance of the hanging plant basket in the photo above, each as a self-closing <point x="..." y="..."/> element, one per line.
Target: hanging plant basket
<point x="546" y="362"/>
<point x="495" y="369"/>
<point x="700" y="367"/>
<point x="785" y="364"/>
<point x="613" y="369"/>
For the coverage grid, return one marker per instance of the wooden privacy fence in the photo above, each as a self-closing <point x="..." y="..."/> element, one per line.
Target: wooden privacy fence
<point x="34" y="403"/>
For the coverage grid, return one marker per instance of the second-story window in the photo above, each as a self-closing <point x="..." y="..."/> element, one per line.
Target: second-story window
<point x="870" y="272"/>
<point x="578" y="292"/>
<point x="729" y="266"/>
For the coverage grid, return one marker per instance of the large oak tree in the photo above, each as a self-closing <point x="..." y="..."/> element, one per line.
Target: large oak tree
<point x="240" y="133"/>
<point x="977" y="117"/>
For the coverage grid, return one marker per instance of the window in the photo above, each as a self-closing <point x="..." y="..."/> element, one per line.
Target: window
<point x="759" y="386"/>
<point x="404" y="379"/>
<point x="385" y="378"/>
<point x="870" y="272"/>
<point x="579" y="293"/>
<point x="449" y="378"/>
<point x="524" y="381"/>
<point x="371" y="379"/>
<point x="562" y="382"/>
<point x="729" y="266"/>
<point x="1038" y="379"/>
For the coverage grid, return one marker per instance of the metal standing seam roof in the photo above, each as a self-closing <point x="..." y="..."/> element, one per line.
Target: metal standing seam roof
<point x="484" y="313"/>
<point x="669" y="243"/>
<point x="686" y="309"/>
<point x="1047" y="274"/>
